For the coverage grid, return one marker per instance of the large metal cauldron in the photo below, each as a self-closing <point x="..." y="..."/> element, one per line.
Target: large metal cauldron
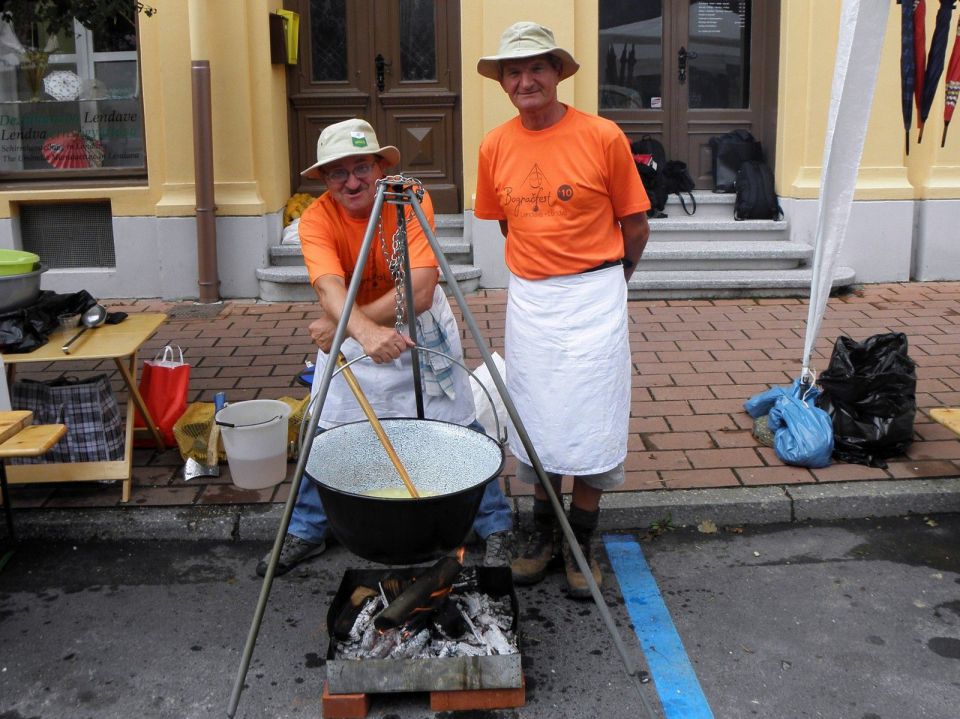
<point x="450" y="466"/>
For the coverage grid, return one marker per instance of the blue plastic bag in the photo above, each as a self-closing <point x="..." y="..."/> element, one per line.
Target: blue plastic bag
<point x="802" y="432"/>
<point x="761" y="404"/>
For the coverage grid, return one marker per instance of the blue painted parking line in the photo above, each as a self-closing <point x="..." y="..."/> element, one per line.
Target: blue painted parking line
<point x="670" y="668"/>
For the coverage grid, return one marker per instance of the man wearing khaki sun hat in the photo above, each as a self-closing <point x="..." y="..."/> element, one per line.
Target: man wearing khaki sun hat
<point x="565" y="189"/>
<point x="350" y="161"/>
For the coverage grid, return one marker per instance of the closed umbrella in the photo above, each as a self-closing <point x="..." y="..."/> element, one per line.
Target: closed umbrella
<point x="908" y="75"/>
<point x="953" y="86"/>
<point x="919" y="49"/>
<point x="935" y="60"/>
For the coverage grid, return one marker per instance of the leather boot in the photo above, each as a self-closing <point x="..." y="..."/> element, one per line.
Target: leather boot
<point x="583" y="524"/>
<point x="541" y="551"/>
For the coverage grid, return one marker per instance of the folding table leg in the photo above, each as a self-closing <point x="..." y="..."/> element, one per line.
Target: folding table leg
<point x="10" y="540"/>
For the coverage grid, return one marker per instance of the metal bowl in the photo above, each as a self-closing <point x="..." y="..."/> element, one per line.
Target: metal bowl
<point x="449" y="465"/>
<point x="18" y="291"/>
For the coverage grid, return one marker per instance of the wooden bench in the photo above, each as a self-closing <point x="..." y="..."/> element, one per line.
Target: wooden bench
<point x="19" y="438"/>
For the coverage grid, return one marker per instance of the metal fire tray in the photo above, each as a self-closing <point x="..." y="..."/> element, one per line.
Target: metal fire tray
<point x="355" y="676"/>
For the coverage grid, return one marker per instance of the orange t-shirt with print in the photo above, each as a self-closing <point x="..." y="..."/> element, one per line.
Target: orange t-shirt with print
<point x="331" y="242"/>
<point x="561" y="191"/>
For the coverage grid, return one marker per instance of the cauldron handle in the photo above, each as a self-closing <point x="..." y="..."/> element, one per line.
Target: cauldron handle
<point x="501" y="431"/>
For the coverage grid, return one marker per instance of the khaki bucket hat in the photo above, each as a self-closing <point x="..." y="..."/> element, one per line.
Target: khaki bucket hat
<point x="347" y="139"/>
<point x="522" y="40"/>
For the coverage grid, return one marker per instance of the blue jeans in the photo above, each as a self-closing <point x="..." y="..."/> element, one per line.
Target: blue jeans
<point x="309" y="519"/>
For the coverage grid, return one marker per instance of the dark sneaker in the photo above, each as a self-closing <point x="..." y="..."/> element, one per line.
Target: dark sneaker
<point x="540" y="553"/>
<point x="293" y="551"/>
<point x="499" y="549"/>
<point x="577" y="586"/>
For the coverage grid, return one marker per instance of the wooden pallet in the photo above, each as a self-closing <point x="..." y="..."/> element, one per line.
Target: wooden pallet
<point x="356" y="706"/>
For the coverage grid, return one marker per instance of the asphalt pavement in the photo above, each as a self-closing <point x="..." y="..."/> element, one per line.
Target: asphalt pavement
<point x="845" y="620"/>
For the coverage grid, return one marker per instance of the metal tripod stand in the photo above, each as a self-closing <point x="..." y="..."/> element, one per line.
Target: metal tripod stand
<point x="402" y="191"/>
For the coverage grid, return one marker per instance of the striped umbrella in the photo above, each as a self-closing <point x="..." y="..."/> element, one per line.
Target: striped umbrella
<point x="907" y="70"/>
<point x="953" y="86"/>
<point x="935" y="60"/>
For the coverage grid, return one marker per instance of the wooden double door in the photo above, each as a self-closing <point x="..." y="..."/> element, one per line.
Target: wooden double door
<point x="395" y="63"/>
<point x="684" y="71"/>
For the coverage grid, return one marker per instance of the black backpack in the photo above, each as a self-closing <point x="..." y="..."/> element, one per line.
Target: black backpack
<point x="729" y="152"/>
<point x="679" y="181"/>
<point x="756" y="196"/>
<point x="651" y="171"/>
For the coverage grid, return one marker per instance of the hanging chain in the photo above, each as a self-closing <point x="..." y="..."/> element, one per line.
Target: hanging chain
<point x="394" y="257"/>
<point x="394" y="260"/>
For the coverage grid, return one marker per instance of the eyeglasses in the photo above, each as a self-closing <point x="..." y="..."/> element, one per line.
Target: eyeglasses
<point x="341" y="175"/>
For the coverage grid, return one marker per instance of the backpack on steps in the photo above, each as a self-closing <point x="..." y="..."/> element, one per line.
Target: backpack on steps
<point x="729" y="152"/>
<point x="679" y="181"/>
<point x="756" y="197"/>
<point x="651" y="159"/>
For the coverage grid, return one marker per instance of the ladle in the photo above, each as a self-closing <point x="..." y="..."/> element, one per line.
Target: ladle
<point x="93" y="317"/>
<point x="375" y="423"/>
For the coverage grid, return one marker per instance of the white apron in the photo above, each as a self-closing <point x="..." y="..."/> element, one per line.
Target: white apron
<point x="568" y="369"/>
<point x="389" y="386"/>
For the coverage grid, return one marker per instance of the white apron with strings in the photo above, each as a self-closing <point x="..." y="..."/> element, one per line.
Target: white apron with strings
<point x="568" y="369"/>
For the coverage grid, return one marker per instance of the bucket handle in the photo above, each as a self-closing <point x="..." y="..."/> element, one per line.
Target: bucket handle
<point x="231" y="425"/>
<point x="501" y="431"/>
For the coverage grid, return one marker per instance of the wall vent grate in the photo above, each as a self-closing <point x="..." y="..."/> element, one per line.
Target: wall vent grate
<point x="69" y="234"/>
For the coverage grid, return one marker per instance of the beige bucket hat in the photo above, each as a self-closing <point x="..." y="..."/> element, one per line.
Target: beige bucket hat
<point x="346" y="139"/>
<point x="522" y="40"/>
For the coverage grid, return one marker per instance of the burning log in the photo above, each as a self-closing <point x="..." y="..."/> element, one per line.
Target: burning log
<point x="420" y="594"/>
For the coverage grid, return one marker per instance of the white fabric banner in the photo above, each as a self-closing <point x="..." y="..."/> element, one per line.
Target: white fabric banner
<point x="863" y="25"/>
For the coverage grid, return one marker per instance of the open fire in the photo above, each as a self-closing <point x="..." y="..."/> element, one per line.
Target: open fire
<point x="446" y="610"/>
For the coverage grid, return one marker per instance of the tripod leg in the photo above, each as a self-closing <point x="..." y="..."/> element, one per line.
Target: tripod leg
<point x="338" y="338"/>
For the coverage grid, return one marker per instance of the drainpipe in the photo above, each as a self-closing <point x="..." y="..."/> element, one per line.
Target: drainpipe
<point x="207" y="273"/>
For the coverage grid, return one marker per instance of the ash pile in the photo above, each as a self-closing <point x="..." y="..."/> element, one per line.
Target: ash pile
<point x="446" y="610"/>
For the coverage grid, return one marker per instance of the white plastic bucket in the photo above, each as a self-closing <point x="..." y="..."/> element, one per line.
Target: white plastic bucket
<point x="255" y="439"/>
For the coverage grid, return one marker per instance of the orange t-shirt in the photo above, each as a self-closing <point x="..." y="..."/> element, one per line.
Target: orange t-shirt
<point x="561" y="191"/>
<point x="331" y="242"/>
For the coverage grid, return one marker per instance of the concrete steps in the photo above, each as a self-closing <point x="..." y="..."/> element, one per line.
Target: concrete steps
<point x="708" y="254"/>
<point x="286" y="279"/>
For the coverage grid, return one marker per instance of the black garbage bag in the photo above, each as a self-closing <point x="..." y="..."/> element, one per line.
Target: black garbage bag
<point x="869" y="391"/>
<point x="25" y="329"/>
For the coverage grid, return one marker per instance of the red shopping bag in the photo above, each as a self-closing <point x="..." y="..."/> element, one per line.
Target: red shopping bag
<point x="164" y="384"/>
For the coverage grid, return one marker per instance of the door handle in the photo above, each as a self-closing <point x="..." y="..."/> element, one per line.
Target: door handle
<point x="381" y="64"/>
<point x="682" y="57"/>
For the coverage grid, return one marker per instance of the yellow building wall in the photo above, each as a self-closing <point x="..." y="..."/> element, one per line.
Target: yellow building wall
<point x="249" y="118"/>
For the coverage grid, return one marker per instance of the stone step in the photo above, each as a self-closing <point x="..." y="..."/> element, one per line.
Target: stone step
<point x="724" y="255"/>
<point x="710" y="206"/>
<point x="456" y="249"/>
<point x="289" y="283"/>
<point x="692" y="229"/>
<point x="690" y="284"/>
<point x="448" y="226"/>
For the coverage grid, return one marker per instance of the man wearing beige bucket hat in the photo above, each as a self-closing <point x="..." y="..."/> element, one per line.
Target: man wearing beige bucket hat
<point x="565" y="189"/>
<point x="350" y="161"/>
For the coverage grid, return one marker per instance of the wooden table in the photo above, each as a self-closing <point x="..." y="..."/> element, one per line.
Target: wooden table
<point x="120" y="343"/>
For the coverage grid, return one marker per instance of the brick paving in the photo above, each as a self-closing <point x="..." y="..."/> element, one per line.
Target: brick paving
<point x="695" y="362"/>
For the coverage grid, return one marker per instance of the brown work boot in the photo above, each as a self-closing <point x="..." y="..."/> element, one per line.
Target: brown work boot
<point x="541" y="551"/>
<point x="577" y="586"/>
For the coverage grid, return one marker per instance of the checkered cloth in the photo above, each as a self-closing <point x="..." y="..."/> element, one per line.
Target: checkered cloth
<point x="95" y="429"/>
<point x="436" y="371"/>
